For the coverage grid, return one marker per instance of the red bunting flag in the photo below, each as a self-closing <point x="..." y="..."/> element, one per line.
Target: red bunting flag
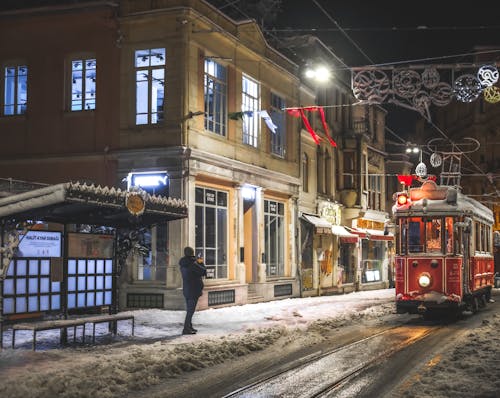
<point x="296" y="112"/>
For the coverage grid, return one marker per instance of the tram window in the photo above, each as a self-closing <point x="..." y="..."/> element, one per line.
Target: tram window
<point x="415" y="236"/>
<point x="433" y="233"/>
<point x="449" y="235"/>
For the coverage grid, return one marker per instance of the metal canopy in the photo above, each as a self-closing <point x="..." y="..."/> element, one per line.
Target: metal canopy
<point x="76" y="203"/>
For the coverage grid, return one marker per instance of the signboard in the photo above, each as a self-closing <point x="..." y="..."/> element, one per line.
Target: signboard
<point x="39" y="244"/>
<point x="90" y="245"/>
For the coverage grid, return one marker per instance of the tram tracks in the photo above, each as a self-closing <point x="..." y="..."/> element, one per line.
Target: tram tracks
<point x="324" y="373"/>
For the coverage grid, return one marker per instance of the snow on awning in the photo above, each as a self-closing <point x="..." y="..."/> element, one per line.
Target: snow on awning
<point x="76" y="203"/>
<point x="372" y="234"/>
<point x="344" y="235"/>
<point x="322" y="226"/>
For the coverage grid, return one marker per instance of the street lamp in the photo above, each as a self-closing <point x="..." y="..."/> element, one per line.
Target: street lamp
<point x="318" y="73"/>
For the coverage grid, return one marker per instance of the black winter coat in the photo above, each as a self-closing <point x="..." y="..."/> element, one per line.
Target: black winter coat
<point x="192" y="272"/>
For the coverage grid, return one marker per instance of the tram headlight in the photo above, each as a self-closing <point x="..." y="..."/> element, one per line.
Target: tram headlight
<point x="424" y="280"/>
<point x="402" y="199"/>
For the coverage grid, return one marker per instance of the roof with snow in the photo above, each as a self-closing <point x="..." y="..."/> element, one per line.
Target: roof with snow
<point x="77" y="203"/>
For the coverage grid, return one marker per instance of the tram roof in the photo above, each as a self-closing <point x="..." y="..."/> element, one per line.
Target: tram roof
<point x="431" y="199"/>
<point x="80" y="203"/>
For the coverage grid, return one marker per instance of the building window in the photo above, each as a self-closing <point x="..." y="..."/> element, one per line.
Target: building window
<point x="215" y="97"/>
<point x="328" y="174"/>
<point x="349" y="170"/>
<point x="153" y="256"/>
<point x="83" y="84"/>
<point x="278" y="117"/>
<point x="320" y="171"/>
<point x="305" y="172"/>
<point x="15" y="90"/>
<point x="274" y="237"/>
<point x="250" y="106"/>
<point x="150" y="85"/>
<point x="211" y="230"/>
<point x="374" y="192"/>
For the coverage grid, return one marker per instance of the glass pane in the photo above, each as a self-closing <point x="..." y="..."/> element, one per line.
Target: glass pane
<point x="21" y="305"/>
<point x="100" y="267"/>
<point x="107" y="297"/>
<point x="91" y="266"/>
<point x="109" y="266"/>
<point x="199" y="226"/>
<point x="21" y="267"/>
<point x="33" y="303"/>
<point x="99" y="298"/>
<point x="33" y="285"/>
<point x="71" y="267"/>
<point x="33" y="267"/>
<point x="157" y="56"/>
<point x="44" y="285"/>
<point x="20" y="286"/>
<point x="210" y="227"/>
<point x="56" y="286"/>
<point x="81" y="283"/>
<point x="71" y="300"/>
<point x="10" y="269"/>
<point x="142" y="58"/>
<point x="72" y="283"/>
<point x="108" y="282"/>
<point x="90" y="299"/>
<point x="8" y="305"/>
<point x="81" y="300"/>
<point x="90" y="282"/>
<point x="82" y="267"/>
<point x="45" y="267"/>
<point x="56" y="302"/>
<point x="99" y="285"/>
<point x="8" y="286"/>
<point x="199" y="192"/>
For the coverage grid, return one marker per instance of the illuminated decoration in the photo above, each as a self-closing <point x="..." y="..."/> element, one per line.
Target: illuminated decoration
<point x="299" y="112"/>
<point x="135" y="201"/>
<point x="402" y="199"/>
<point x="450" y="154"/>
<point x="421" y="170"/>
<point x="430" y="77"/>
<point x="418" y="87"/>
<point x="487" y="75"/>
<point x="492" y="94"/>
<point x="424" y="280"/>
<point x="153" y="182"/>
<point x="467" y="88"/>
<point x="436" y="160"/>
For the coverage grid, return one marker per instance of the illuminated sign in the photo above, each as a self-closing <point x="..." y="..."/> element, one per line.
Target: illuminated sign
<point x="39" y="244"/>
<point x="153" y="182"/>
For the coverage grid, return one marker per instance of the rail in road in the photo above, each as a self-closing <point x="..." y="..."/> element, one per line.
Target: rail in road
<point x="322" y="373"/>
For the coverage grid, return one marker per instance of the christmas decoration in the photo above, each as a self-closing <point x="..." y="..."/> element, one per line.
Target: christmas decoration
<point x="467" y="88"/>
<point x="487" y="75"/>
<point x="491" y="94"/>
<point x="436" y="160"/>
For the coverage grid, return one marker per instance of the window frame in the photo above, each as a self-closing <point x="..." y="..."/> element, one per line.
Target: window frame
<point x="217" y="114"/>
<point x="148" y="80"/>
<point x="250" y="106"/>
<point x="84" y="60"/>
<point x="279" y="239"/>
<point x="18" y="108"/>
<point x="278" y="138"/>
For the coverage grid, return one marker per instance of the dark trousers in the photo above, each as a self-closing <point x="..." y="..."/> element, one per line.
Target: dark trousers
<point x="190" y="308"/>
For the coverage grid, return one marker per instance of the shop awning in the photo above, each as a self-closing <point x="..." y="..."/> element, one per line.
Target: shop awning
<point x="321" y="225"/>
<point x="77" y="203"/>
<point x="372" y="234"/>
<point x="344" y="235"/>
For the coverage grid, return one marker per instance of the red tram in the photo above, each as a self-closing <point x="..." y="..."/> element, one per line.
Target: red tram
<point x="444" y="251"/>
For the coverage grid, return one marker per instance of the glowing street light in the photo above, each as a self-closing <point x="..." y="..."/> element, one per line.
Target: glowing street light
<point x="319" y="73"/>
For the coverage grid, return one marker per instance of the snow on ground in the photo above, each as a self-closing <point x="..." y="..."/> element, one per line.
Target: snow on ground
<point x="114" y="366"/>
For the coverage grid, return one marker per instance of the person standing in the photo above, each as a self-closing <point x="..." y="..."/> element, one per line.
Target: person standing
<point x="192" y="270"/>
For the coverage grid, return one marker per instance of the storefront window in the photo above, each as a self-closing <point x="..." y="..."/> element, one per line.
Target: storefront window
<point x="347" y="261"/>
<point x="274" y="230"/>
<point x="211" y="230"/>
<point x="153" y="256"/>
<point x="373" y="256"/>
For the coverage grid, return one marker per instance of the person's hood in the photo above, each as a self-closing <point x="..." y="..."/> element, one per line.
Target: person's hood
<point x="186" y="261"/>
